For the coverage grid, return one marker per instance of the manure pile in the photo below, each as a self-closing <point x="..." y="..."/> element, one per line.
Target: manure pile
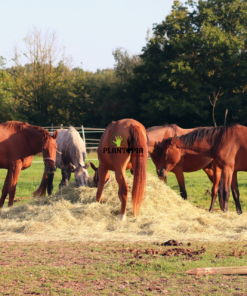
<point x="73" y="214"/>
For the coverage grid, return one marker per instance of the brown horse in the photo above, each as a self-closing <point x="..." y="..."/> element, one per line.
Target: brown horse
<point x="157" y="136"/>
<point x="123" y="146"/>
<point x="18" y="143"/>
<point x="226" y="145"/>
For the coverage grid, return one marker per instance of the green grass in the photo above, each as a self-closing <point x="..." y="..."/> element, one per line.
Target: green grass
<point x="77" y="268"/>
<point x="196" y="183"/>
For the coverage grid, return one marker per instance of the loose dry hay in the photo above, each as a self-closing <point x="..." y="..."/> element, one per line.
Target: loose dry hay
<point x="73" y="214"/>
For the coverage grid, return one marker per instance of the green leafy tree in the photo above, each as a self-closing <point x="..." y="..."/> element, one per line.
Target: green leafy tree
<point x="199" y="50"/>
<point x="7" y="106"/>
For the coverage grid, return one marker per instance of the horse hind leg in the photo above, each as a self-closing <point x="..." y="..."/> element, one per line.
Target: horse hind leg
<point x="209" y="170"/>
<point x="217" y="176"/>
<point x="122" y="193"/>
<point x="102" y="172"/>
<point x="235" y="193"/>
<point x="14" y="173"/>
<point x="4" y="190"/>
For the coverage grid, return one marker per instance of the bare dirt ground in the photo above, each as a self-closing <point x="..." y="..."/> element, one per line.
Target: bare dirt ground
<point x="110" y="268"/>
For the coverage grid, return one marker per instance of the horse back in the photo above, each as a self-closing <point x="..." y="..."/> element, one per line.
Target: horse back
<point x="72" y="147"/>
<point x="120" y="128"/>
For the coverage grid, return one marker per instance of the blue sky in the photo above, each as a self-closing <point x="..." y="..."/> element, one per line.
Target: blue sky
<point x="90" y="30"/>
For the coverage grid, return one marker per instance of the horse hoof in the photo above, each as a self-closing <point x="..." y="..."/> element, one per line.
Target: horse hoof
<point x="122" y="217"/>
<point x="239" y="212"/>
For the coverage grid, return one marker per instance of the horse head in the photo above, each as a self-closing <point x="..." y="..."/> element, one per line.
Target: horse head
<point x="49" y="148"/>
<point x="171" y="155"/>
<point x="81" y="174"/>
<point x="96" y="175"/>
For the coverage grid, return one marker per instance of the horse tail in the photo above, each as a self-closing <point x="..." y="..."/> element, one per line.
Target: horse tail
<point x="42" y="187"/>
<point x="139" y="162"/>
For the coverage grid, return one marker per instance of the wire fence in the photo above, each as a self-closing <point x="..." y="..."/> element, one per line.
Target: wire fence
<point x="90" y="135"/>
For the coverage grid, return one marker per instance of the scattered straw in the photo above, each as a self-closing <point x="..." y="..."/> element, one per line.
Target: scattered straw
<point x="73" y="214"/>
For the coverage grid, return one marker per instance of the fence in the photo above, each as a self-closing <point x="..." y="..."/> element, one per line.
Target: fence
<point x="91" y="142"/>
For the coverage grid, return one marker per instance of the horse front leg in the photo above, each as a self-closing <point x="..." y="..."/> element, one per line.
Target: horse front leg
<point x="180" y="178"/>
<point x="227" y="181"/>
<point x="14" y="173"/>
<point x="68" y="174"/>
<point x="209" y="170"/>
<point x="64" y="181"/>
<point x="4" y="190"/>
<point x="217" y="176"/>
<point x="235" y="193"/>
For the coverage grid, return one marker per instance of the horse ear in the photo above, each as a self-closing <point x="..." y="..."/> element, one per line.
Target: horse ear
<point x="44" y="135"/>
<point x="55" y="134"/>
<point x="72" y="167"/>
<point x="174" y="139"/>
<point x="87" y="165"/>
<point x="93" y="166"/>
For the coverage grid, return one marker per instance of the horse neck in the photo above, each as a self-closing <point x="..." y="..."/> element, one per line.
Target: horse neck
<point x="157" y="138"/>
<point x="199" y="147"/>
<point x="74" y="151"/>
<point x="34" y="138"/>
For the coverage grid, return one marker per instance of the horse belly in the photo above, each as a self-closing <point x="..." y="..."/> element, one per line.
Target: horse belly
<point x="194" y="163"/>
<point x="241" y="165"/>
<point x="26" y="162"/>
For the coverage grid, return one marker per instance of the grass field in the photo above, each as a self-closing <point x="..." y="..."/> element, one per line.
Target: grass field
<point x="197" y="183"/>
<point x="105" y="267"/>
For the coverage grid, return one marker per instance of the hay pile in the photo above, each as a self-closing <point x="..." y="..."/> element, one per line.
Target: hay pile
<point x="73" y="214"/>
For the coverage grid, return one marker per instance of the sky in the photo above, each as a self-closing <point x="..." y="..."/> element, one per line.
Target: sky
<point x="89" y="30"/>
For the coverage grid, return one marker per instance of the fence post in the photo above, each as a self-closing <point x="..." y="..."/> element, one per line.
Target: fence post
<point x="52" y="127"/>
<point x="83" y="134"/>
<point x="61" y="125"/>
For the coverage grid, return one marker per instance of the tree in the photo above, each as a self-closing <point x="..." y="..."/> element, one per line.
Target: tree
<point x="199" y="49"/>
<point x="7" y="106"/>
<point x="118" y="103"/>
<point x="42" y="79"/>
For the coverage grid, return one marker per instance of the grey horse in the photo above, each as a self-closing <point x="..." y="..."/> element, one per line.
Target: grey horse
<point x="71" y="154"/>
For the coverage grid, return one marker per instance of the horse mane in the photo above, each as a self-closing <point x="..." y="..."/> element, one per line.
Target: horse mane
<point x="20" y="126"/>
<point x="16" y="125"/>
<point x="157" y="152"/>
<point x="208" y="133"/>
<point x="153" y="128"/>
<point x="74" y="146"/>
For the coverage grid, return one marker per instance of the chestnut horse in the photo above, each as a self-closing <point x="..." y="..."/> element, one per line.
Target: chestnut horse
<point x="225" y="144"/>
<point x="18" y="143"/>
<point x="187" y="163"/>
<point x="123" y="146"/>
